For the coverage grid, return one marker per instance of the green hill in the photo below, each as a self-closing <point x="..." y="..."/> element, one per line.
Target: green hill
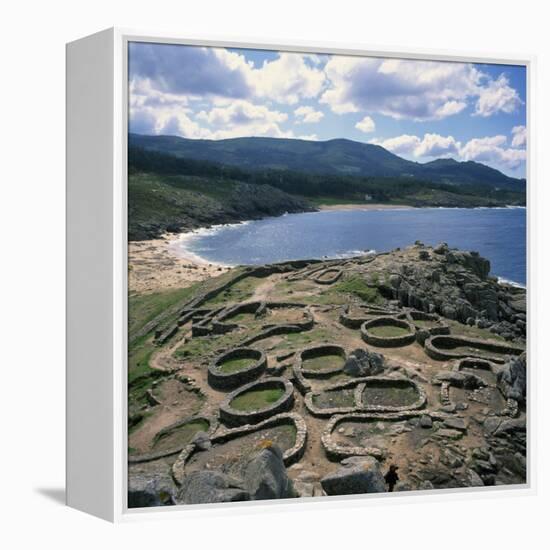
<point x="336" y="157"/>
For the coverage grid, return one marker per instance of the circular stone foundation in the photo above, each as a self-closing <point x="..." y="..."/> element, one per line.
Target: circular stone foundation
<point x="324" y="360"/>
<point x="445" y="347"/>
<point x="257" y="401"/>
<point x="388" y="332"/>
<point x="290" y="455"/>
<point x="236" y="367"/>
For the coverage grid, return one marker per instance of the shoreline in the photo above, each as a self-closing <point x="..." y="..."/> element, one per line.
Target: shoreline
<point x="155" y="266"/>
<point x="333" y="207"/>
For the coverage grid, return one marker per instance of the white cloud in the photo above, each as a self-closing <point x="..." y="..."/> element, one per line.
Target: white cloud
<point x="419" y="90"/>
<point x="493" y="150"/>
<point x="400" y="145"/>
<point x="497" y="96"/>
<point x="288" y="78"/>
<point x="434" y="145"/>
<point x="307" y="114"/>
<point x="366" y="125"/>
<point x="411" y="89"/>
<point x="242" y="118"/>
<point x="431" y="145"/>
<point x="519" y="138"/>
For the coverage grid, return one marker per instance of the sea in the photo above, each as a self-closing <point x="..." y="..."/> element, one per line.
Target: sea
<point x="498" y="234"/>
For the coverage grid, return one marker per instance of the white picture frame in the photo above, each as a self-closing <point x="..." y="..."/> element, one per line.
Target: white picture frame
<point x="97" y="316"/>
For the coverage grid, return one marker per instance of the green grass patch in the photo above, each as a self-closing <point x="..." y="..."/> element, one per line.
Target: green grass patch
<point x="425" y="323"/>
<point x="393" y="396"/>
<point x="181" y="436"/>
<point x="143" y="308"/>
<point x="388" y="331"/>
<point x="472" y="332"/>
<point x="357" y="286"/>
<point x="235" y="365"/>
<point x="205" y="345"/>
<point x="334" y="399"/>
<point x="239" y="292"/>
<point x="324" y="362"/>
<point x="256" y="399"/>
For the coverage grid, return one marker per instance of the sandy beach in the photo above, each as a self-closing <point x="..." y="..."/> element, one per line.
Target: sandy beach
<point x="364" y="207"/>
<point x="155" y="266"/>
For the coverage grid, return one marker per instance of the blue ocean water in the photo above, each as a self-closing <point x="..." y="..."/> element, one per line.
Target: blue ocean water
<point x="498" y="234"/>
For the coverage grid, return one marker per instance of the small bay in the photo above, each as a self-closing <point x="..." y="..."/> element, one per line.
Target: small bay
<point x="498" y="234"/>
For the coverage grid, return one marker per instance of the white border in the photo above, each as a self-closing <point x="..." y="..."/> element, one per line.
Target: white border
<point x="120" y="313"/>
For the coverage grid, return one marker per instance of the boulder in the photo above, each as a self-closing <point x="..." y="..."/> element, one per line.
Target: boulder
<point x="456" y="423"/>
<point x="265" y="475"/>
<point x="425" y="421"/>
<point x="355" y="477"/>
<point x="512" y="378"/>
<point x="207" y="486"/>
<point x="459" y="379"/>
<point x="144" y="490"/>
<point x="364" y="363"/>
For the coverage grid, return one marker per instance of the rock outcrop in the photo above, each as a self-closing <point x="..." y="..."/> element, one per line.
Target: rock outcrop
<point x="260" y="476"/>
<point x="362" y="362"/>
<point x="512" y="378"/>
<point x="357" y="475"/>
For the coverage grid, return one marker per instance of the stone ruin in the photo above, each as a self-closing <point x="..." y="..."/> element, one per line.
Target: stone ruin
<point x="461" y="420"/>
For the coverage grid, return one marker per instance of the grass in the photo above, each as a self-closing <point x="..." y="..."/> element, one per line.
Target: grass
<point x="460" y="329"/>
<point x="334" y="399"/>
<point x="298" y="339"/>
<point x="324" y="362"/>
<point x="181" y="436"/>
<point x="204" y="345"/>
<point x="256" y="399"/>
<point x="425" y="323"/>
<point x="394" y="396"/>
<point x="143" y="308"/>
<point x="240" y="291"/>
<point x="235" y="365"/>
<point x="357" y="286"/>
<point x="242" y="318"/>
<point x="388" y="331"/>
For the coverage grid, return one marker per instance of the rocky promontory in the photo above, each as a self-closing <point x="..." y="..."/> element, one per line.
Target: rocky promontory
<point x="312" y="378"/>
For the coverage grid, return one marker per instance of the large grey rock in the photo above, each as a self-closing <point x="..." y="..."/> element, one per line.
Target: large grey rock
<point x="144" y="490"/>
<point x="355" y="477"/>
<point x="208" y="486"/>
<point x="364" y="363"/>
<point x="456" y="423"/>
<point x="459" y="379"/>
<point x="512" y="378"/>
<point x="265" y="476"/>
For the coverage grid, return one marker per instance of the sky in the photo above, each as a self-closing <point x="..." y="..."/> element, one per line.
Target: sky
<point x="419" y="110"/>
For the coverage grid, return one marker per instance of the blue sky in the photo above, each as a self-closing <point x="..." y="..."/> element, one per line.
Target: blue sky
<point x="420" y="110"/>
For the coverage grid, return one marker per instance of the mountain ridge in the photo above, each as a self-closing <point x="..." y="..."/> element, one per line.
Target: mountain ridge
<point x="336" y="156"/>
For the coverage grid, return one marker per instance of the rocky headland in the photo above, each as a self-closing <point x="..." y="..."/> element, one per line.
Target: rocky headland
<point x="311" y="378"/>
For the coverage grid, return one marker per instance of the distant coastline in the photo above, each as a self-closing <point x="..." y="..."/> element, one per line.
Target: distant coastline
<point x="365" y="206"/>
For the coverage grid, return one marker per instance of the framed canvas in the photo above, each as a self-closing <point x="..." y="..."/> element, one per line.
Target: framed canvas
<point x="296" y="275"/>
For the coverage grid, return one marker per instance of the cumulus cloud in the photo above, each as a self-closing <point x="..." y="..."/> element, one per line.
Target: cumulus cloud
<point x="200" y="72"/>
<point x="242" y="118"/>
<point x="493" y="150"/>
<point x="188" y="69"/>
<point x="431" y="145"/>
<point x="366" y="125"/>
<point x="411" y="89"/>
<point x="307" y="114"/>
<point x="419" y="90"/>
<point x="497" y="96"/>
<point x="288" y="78"/>
<point x="519" y="138"/>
